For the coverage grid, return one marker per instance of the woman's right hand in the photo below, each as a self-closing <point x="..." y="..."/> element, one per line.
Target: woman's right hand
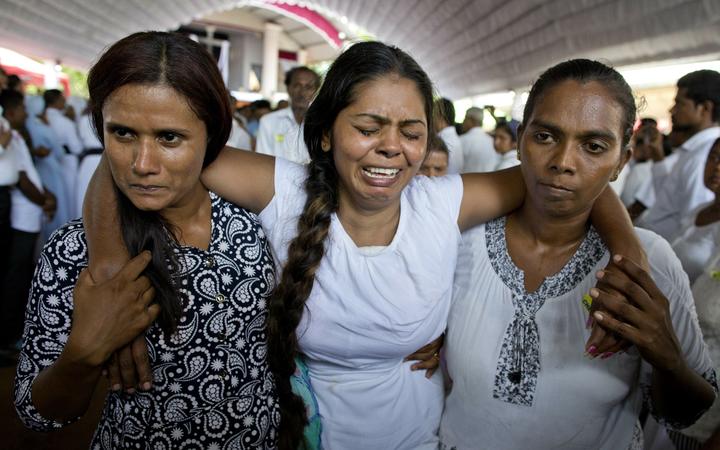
<point x="108" y="315"/>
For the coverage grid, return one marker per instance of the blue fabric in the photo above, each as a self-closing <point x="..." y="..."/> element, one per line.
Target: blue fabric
<point x="300" y="382"/>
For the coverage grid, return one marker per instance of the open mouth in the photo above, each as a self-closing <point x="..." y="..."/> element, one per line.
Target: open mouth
<point x="380" y="172"/>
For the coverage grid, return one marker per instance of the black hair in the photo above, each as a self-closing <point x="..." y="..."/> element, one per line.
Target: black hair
<point x="11" y="99"/>
<point x="173" y="60"/>
<point x="436" y="144"/>
<point x="701" y="86"/>
<point x="585" y="71"/>
<point x="291" y="73"/>
<point x="446" y="110"/>
<point x="260" y="104"/>
<point x="357" y="66"/>
<point x="51" y="96"/>
<point x="648" y="121"/>
<point x="508" y="126"/>
<point x="14" y="81"/>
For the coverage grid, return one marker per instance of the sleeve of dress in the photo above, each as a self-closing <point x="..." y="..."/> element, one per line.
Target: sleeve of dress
<point x="279" y="218"/>
<point x="444" y="193"/>
<point x="673" y="282"/>
<point x="48" y="318"/>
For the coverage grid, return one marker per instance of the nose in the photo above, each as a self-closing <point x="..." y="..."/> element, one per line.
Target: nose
<point x="391" y="144"/>
<point x="146" y="161"/>
<point x="562" y="160"/>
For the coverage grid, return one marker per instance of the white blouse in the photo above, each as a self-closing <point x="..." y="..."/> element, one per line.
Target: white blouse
<point x="696" y="245"/>
<point x="706" y="291"/>
<point x="520" y="377"/>
<point x="369" y="308"/>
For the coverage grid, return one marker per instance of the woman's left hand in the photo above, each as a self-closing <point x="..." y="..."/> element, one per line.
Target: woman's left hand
<point x="645" y="321"/>
<point x="429" y="357"/>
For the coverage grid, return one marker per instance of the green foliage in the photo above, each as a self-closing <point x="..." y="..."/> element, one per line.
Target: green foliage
<point x="78" y="81"/>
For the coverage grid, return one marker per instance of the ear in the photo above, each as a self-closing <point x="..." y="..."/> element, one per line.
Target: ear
<point x="326" y="142"/>
<point x="624" y="158"/>
<point x="708" y="106"/>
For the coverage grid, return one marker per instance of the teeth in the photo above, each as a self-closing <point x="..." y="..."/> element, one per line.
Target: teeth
<point x="381" y="172"/>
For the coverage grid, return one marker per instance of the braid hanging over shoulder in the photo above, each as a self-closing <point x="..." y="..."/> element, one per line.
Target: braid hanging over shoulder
<point x="288" y="301"/>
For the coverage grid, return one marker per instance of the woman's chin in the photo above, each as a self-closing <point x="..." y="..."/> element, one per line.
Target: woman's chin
<point x="143" y="203"/>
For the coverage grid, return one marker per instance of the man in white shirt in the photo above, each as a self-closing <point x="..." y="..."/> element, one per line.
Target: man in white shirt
<point x="67" y="133"/>
<point x="478" y="151"/>
<point x="445" y="128"/>
<point x="696" y="109"/>
<point x="280" y="132"/>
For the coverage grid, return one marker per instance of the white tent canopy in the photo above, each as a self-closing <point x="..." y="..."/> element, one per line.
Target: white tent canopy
<point x="467" y="46"/>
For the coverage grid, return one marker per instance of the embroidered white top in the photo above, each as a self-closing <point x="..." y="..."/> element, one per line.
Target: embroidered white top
<point x="520" y="379"/>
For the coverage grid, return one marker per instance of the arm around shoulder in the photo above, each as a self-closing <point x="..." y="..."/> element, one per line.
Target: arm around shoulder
<point x="490" y="195"/>
<point x="242" y="177"/>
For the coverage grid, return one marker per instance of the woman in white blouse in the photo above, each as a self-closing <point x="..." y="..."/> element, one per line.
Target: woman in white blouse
<point x="706" y="292"/>
<point x="700" y="238"/>
<point x="522" y="376"/>
<point x="505" y="143"/>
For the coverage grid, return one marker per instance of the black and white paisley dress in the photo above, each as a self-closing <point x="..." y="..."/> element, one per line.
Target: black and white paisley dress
<point x="212" y="385"/>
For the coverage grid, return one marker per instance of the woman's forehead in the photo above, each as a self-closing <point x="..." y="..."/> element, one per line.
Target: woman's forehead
<point x="578" y="106"/>
<point x="143" y="102"/>
<point x="389" y="94"/>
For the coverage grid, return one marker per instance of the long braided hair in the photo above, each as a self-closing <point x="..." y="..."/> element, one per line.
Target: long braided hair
<point x="361" y="63"/>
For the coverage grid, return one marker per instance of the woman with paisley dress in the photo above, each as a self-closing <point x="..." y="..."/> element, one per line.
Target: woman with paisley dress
<point x="198" y="287"/>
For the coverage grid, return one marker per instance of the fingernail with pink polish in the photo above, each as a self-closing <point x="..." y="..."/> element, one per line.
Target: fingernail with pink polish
<point x="592" y="350"/>
<point x="606" y="355"/>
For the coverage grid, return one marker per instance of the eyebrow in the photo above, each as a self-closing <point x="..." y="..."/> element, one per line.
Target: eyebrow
<point x="601" y="133"/>
<point x="385" y="121"/>
<point x="114" y="126"/>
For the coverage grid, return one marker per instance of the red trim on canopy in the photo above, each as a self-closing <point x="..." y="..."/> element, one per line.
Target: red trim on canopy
<point x="312" y="19"/>
<point x="36" y="78"/>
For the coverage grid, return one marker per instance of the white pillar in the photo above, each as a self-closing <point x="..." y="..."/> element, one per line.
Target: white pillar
<point x="50" y="75"/>
<point x="302" y="57"/>
<point x="271" y="46"/>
